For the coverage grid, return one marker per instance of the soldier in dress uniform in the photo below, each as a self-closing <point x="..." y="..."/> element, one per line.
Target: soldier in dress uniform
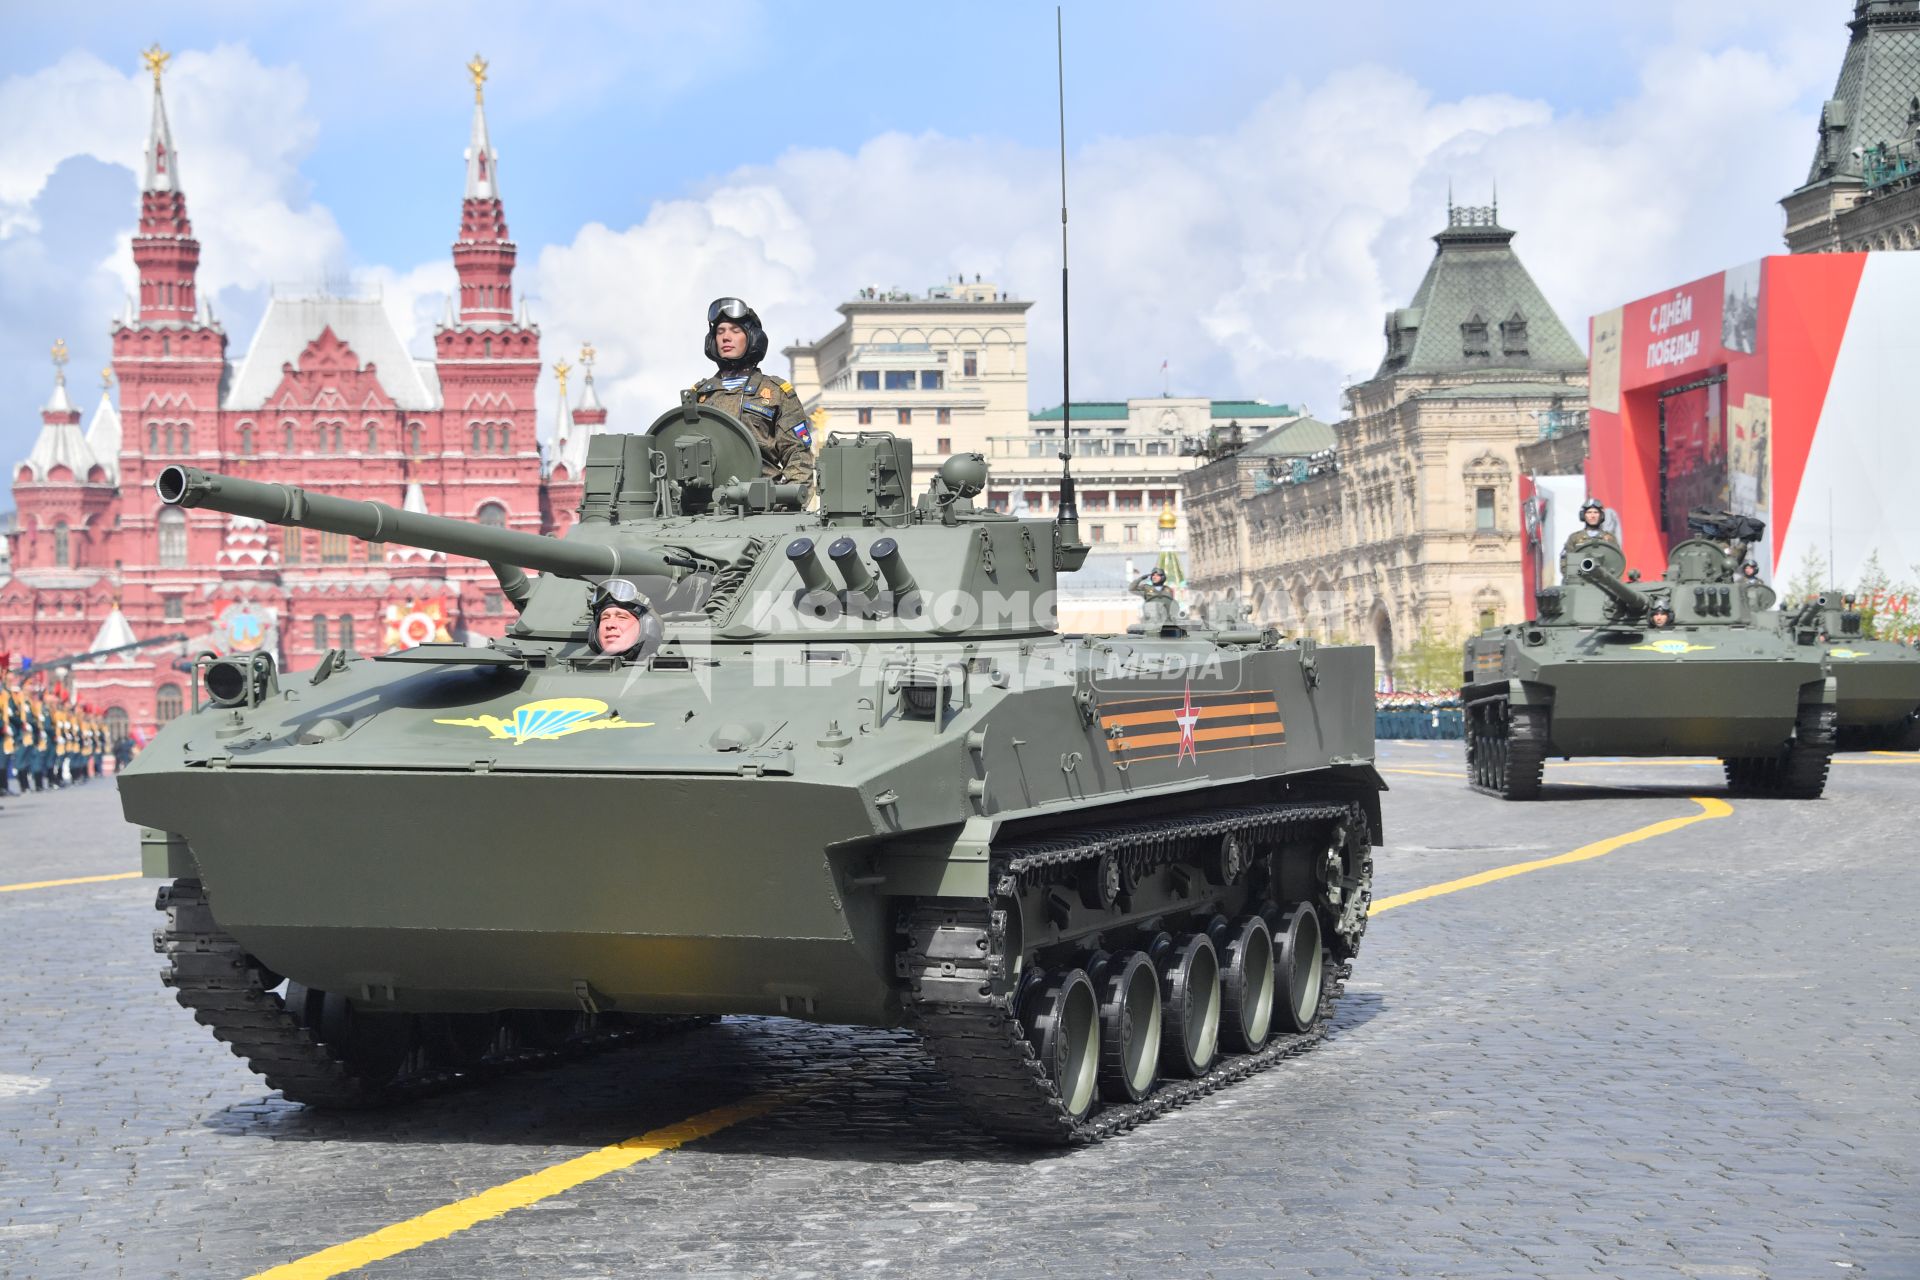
<point x="8" y="742"/>
<point x="737" y="343"/>
<point x="1593" y="527"/>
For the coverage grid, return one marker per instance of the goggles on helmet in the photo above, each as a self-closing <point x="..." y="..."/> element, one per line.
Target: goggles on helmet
<point x="618" y="593"/>
<point x="727" y="309"/>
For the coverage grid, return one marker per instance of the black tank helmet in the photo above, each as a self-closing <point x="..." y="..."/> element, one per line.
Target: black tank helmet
<point x="1593" y="504"/>
<point x="743" y="315"/>
<point x="619" y="593"/>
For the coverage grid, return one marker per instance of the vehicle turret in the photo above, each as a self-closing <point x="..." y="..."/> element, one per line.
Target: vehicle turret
<point x="1627" y="603"/>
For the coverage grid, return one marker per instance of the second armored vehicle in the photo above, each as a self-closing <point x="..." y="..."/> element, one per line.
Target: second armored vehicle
<point x="1683" y="666"/>
<point x="1877" y="682"/>
<point x="854" y="774"/>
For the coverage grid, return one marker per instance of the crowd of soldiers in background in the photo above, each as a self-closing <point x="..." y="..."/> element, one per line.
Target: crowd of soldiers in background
<point x="48" y="741"/>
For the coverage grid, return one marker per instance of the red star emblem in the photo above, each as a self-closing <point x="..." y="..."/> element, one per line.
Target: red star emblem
<point x="1187" y="719"/>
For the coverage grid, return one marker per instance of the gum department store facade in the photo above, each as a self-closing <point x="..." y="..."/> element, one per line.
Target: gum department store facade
<point x="1409" y="521"/>
<point x="326" y="397"/>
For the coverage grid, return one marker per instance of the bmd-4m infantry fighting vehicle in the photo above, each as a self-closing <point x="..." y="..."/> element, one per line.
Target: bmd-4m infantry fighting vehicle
<point x="855" y="776"/>
<point x="1877" y="682"/>
<point x="1684" y="666"/>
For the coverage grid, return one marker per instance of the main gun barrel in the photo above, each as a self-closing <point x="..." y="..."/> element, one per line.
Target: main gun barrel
<point x="1629" y="603"/>
<point x="377" y="522"/>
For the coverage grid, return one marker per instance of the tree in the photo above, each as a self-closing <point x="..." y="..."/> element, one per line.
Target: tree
<point x="1430" y="663"/>
<point x="1810" y="579"/>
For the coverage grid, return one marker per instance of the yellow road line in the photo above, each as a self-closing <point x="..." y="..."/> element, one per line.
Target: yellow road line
<point x="1709" y="808"/>
<point x="1425" y="773"/>
<point x="438" y="1224"/>
<point x="55" y="884"/>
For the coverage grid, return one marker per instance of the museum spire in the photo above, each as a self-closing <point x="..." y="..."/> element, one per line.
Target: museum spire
<point x="163" y="164"/>
<point x="483" y="254"/>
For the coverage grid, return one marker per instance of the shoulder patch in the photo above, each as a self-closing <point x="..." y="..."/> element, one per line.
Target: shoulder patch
<point x="786" y="387"/>
<point x="766" y="392"/>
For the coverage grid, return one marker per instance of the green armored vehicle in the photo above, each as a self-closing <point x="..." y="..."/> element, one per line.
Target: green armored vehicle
<point x="1877" y="682"/>
<point x="1684" y="666"/>
<point x="853" y="773"/>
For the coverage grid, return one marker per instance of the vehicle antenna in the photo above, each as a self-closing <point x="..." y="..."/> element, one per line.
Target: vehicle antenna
<point x="1069" y="515"/>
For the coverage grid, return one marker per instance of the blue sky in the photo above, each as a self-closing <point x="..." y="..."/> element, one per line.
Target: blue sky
<point x="1253" y="184"/>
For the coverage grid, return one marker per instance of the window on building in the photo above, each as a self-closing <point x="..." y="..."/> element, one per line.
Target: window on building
<point x="118" y="723"/>
<point x="246" y="442"/>
<point x="290" y="545"/>
<point x="1126" y="448"/>
<point x="1473" y="336"/>
<point x="493" y="515"/>
<point x="943" y="417"/>
<point x="289" y="444"/>
<point x="864" y="417"/>
<point x="1483" y="509"/>
<point x="320" y="632"/>
<point x="166" y="703"/>
<point x="153" y="438"/>
<point x="413" y="437"/>
<point x="943" y="445"/>
<point x="173" y="608"/>
<point x="373" y="438"/>
<point x="486" y="348"/>
<point x="1130" y="533"/>
<point x="185" y="444"/>
<point x="1488" y="619"/>
<point x="494" y="603"/>
<point x="476" y="438"/>
<point x="1159" y="448"/>
<point x="173" y="538"/>
<point x="338" y="428"/>
<point x="1127" y="500"/>
<point x="346" y="633"/>
<point x="906" y="417"/>
<point x="867" y="380"/>
<point x="1096" y="501"/>
<point x="335" y="548"/>
<point x="899" y="380"/>
<point x="970" y="364"/>
<point x="505" y="442"/>
<point x="1513" y="335"/>
<point x="1098" y="532"/>
<point x="932" y="380"/>
<point x="62" y="545"/>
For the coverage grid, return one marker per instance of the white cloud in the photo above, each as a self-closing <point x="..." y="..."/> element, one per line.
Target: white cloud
<point x="1258" y="260"/>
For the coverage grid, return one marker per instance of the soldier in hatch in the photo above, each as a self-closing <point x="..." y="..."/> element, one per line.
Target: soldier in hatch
<point x="623" y="626"/>
<point x="1662" y="615"/>
<point x="737" y="343"/>
<point x="1593" y="527"/>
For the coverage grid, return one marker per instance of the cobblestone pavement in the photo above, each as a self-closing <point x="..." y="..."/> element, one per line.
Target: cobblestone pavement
<point x="1696" y="1056"/>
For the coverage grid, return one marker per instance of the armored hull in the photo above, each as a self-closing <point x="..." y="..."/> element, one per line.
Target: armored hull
<point x="1099" y="875"/>
<point x="1684" y="666"/>
<point x="1877" y="699"/>
<point x="1877" y="682"/>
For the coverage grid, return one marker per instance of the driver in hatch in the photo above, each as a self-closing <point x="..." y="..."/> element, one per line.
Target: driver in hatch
<point x="623" y="626"/>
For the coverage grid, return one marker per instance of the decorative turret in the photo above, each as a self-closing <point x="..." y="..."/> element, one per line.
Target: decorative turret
<point x="483" y="254"/>
<point x="103" y="429"/>
<point x="169" y="347"/>
<point x="580" y="423"/>
<point x="489" y="362"/>
<point x="60" y="442"/>
<point x="164" y="249"/>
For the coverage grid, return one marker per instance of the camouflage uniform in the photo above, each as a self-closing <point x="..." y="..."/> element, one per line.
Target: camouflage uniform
<point x="772" y="412"/>
<point x="1579" y="538"/>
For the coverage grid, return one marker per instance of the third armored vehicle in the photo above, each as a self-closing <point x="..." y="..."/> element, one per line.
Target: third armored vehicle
<point x="855" y="775"/>
<point x="1682" y="666"/>
<point x="1877" y="682"/>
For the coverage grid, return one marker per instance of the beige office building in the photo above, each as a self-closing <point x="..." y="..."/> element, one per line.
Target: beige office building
<point x="946" y="370"/>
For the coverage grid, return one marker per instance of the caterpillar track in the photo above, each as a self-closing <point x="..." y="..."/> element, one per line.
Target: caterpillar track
<point x="1506" y="749"/>
<point x="316" y="1048"/>
<point x="1799" y="772"/>
<point x="969" y="975"/>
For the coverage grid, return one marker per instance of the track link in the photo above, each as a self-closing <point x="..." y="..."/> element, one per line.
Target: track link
<point x="1799" y="772"/>
<point x="231" y="993"/>
<point x="963" y="1001"/>
<point x="1506" y="749"/>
